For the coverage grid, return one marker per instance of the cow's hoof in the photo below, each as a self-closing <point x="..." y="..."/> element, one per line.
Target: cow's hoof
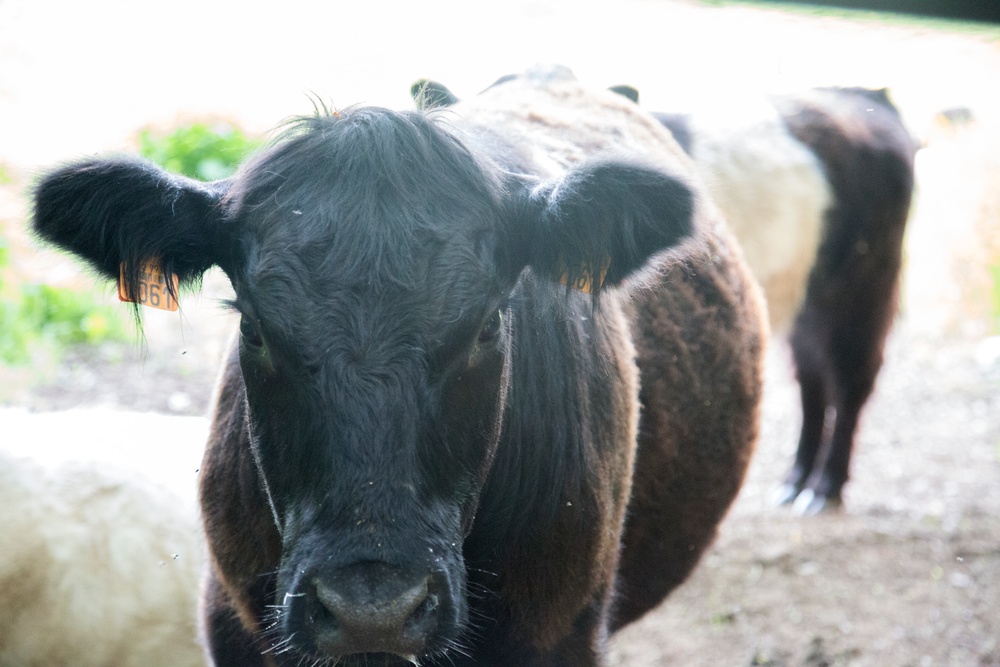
<point x="810" y="503"/>
<point x="785" y="495"/>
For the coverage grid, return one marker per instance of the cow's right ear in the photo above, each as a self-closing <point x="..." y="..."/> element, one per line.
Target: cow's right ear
<point x="126" y="211"/>
<point x="601" y="222"/>
<point x="428" y="94"/>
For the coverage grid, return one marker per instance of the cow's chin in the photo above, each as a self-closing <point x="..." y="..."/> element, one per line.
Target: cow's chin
<point x="286" y="652"/>
<point x="357" y="660"/>
<point x="378" y="660"/>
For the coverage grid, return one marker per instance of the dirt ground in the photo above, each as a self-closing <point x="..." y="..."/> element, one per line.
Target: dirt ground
<point x="907" y="574"/>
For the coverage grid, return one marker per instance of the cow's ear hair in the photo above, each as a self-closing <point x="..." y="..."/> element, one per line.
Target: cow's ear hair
<point x="428" y="94"/>
<point x="128" y="211"/>
<point x="603" y="221"/>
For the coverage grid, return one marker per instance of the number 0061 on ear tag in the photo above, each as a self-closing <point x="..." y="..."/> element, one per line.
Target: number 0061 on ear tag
<point x="585" y="282"/>
<point x="152" y="288"/>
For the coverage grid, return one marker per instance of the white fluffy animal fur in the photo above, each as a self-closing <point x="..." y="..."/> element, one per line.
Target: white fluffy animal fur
<point x="772" y="191"/>
<point x="97" y="567"/>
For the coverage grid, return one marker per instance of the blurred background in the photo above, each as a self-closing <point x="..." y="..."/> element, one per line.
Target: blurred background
<point x="907" y="574"/>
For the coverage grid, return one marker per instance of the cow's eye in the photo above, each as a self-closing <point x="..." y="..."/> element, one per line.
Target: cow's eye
<point x="249" y="333"/>
<point x="492" y="328"/>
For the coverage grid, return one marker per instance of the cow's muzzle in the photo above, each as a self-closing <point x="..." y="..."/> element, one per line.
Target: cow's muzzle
<point x="366" y="608"/>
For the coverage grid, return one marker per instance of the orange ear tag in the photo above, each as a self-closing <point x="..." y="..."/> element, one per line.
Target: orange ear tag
<point x="153" y="291"/>
<point x="585" y="282"/>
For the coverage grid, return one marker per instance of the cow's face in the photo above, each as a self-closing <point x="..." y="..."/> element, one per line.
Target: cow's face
<point x="373" y="345"/>
<point x="374" y="259"/>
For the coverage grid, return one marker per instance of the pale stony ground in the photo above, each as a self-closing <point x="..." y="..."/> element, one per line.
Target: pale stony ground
<point x="908" y="574"/>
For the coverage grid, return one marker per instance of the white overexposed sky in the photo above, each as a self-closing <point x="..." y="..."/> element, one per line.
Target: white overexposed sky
<point x="81" y="77"/>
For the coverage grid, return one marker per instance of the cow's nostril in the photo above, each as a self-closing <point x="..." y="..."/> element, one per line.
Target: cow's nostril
<point x="423" y="617"/>
<point x="320" y="615"/>
<point x="373" y="610"/>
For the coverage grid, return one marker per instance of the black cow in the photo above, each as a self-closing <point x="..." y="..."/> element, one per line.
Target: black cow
<point x="426" y="448"/>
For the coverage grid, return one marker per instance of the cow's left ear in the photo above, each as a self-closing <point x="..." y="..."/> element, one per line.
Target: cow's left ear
<point x="603" y="221"/>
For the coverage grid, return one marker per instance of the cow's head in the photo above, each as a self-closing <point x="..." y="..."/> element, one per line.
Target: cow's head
<point x="373" y="258"/>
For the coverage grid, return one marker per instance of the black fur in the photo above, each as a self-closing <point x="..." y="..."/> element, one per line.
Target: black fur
<point x="650" y="209"/>
<point x="626" y="91"/>
<point x="129" y="211"/>
<point x="431" y="95"/>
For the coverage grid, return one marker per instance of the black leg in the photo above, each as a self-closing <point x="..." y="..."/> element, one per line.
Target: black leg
<point x="814" y="401"/>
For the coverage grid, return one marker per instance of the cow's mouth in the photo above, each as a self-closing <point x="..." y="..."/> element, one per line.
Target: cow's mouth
<point x="378" y="660"/>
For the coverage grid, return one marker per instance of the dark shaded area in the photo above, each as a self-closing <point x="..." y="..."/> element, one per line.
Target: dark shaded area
<point x="965" y="10"/>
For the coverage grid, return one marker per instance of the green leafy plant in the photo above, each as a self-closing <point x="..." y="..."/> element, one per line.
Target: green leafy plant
<point x="38" y="318"/>
<point x="35" y="317"/>
<point x="207" y="152"/>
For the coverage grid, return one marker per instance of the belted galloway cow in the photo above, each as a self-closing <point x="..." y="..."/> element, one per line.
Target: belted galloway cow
<point x="431" y="445"/>
<point x="817" y="186"/>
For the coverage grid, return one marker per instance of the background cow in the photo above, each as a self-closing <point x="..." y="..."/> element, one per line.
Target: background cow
<point x="97" y="566"/>
<point x="817" y="188"/>
<point x="423" y="445"/>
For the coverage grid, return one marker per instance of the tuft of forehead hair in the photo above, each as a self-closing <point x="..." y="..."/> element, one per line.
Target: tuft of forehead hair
<point x="366" y="194"/>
